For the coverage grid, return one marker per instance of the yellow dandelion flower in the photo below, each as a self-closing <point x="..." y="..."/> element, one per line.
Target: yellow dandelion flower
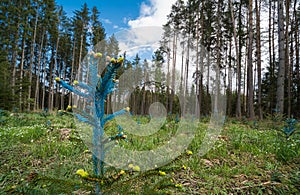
<point x="127" y="109"/>
<point x="189" y="152"/>
<point x="57" y="79"/>
<point x="120" y="60"/>
<point x="178" y="185"/>
<point x="130" y="166"/>
<point x="82" y="173"/>
<point x="162" y="173"/>
<point x="98" y="55"/>
<point x="113" y="60"/>
<point x="136" y="168"/>
<point x="122" y="172"/>
<point x="184" y="167"/>
<point x="76" y="82"/>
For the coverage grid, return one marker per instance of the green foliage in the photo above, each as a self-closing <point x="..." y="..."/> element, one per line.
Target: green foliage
<point x="5" y="87"/>
<point x="41" y="159"/>
<point x="288" y="141"/>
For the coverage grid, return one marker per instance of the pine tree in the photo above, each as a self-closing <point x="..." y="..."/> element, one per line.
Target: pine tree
<point x="258" y="50"/>
<point x="250" y="65"/>
<point x="98" y="32"/>
<point x="281" y="51"/>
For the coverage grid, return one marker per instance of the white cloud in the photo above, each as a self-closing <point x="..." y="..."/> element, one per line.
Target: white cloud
<point x="152" y="14"/>
<point x="143" y="40"/>
<point x="107" y="21"/>
<point x="146" y="30"/>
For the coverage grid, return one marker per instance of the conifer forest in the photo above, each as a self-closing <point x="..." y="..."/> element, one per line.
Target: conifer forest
<point x="245" y="51"/>
<point x="254" y="43"/>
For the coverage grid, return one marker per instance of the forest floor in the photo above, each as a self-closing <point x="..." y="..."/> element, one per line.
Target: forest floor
<point x="40" y="154"/>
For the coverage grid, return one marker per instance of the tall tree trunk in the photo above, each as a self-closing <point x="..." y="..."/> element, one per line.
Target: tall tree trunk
<point x="287" y="56"/>
<point x="44" y="76"/>
<point x="197" y="69"/>
<point x="229" y="95"/>
<point x="168" y="85"/>
<point x="208" y="70"/>
<point x="297" y="55"/>
<point x="272" y="69"/>
<point x="50" y="87"/>
<point x="22" y="67"/>
<point x="175" y="39"/>
<point x="72" y="71"/>
<point x="31" y="61"/>
<point x="273" y="41"/>
<point x="290" y="75"/>
<point x="218" y="65"/>
<point x="36" y="97"/>
<point x="51" y="80"/>
<point x="198" y="65"/>
<point x="258" y="50"/>
<point x="14" y="59"/>
<point x="182" y="66"/>
<point x="281" y="50"/>
<point x="187" y="63"/>
<point x="270" y="43"/>
<point x="237" y="54"/>
<point x="62" y="97"/>
<point x="250" y="65"/>
<point x="245" y="87"/>
<point x="76" y="97"/>
<point x="202" y="53"/>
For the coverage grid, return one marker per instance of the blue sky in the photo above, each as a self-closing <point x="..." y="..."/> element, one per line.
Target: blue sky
<point x="117" y="15"/>
<point x="114" y="14"/>
<point x="141" y="19"/>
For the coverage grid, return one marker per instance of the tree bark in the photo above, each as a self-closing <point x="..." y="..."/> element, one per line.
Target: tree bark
<point x="281" y="51"/>
<point x="51" y="83"/>
<point x="31" y="60"/>
<point x="287" y="56"/>
<point x="44" y="84"/>
<point x="72" y="71"/>
<point x="270" y="44"/>
<point x="237" y="54"/>
<point x="22" y="66"/>
<point x="14" y="59"/>
<point x="250" y="65"/>
<point x="174" y="54"/>
<point x="258" y="50"/>
<point x="36" y="97"/>
<point x="297" y="54"/>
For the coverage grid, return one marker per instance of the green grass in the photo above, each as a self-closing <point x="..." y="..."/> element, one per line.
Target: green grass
<point x="40" y="154"/>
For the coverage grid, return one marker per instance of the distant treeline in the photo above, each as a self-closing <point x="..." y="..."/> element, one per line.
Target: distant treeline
<point x="258" y="65"/>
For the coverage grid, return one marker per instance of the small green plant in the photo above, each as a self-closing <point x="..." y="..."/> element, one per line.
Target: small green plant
<point x="96" y="91"/>
<point x="290" y="127"/>
<point x="3" y="116"/>
<point x="288" y="143"/>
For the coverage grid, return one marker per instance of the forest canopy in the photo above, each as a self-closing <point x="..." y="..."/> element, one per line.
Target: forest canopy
<point x="254" y="44"/>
